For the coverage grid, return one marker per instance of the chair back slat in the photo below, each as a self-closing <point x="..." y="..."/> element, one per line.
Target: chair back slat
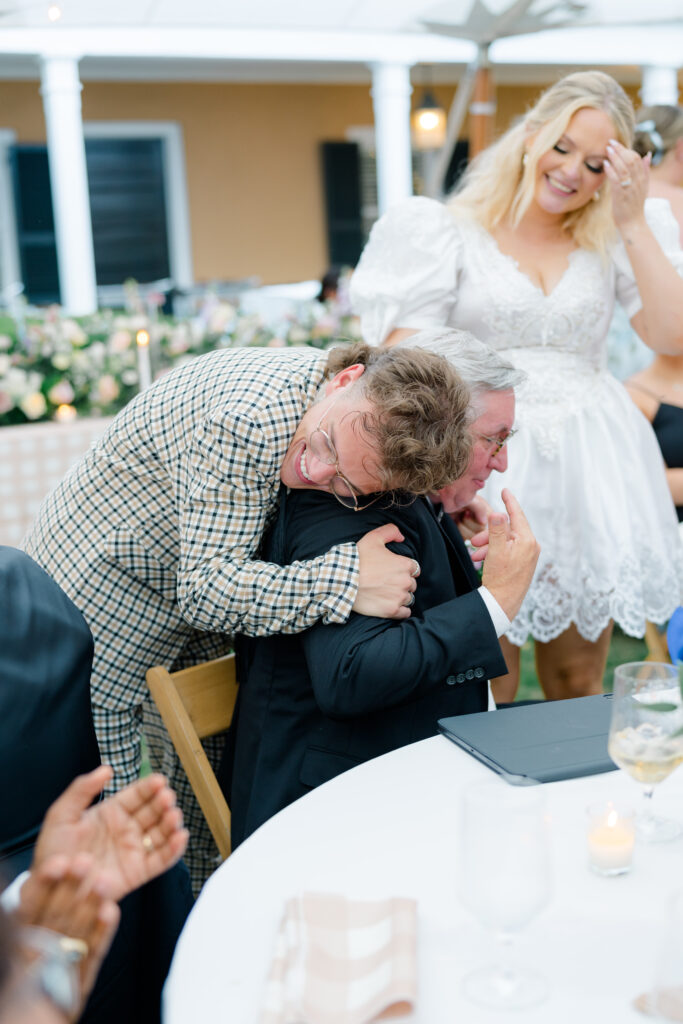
<point x="195" y="703"/>
<point x="209" y="692"/>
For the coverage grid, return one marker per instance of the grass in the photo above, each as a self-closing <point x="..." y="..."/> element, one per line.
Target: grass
<point x="622" y="649"/>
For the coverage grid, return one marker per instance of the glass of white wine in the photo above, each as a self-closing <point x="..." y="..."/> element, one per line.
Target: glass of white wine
<point x="646" y="735"/>
<point x="505" y="881"/>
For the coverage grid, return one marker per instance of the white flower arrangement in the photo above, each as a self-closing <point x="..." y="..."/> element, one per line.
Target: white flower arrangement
<point x="56" y="367"/>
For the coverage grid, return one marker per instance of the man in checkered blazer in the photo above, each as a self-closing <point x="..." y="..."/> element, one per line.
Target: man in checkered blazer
<point x="155" y="534"/>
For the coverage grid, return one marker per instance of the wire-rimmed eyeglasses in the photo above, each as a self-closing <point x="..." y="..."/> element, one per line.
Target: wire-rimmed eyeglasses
<point x="497" y="443"/>
<point x="322" y="447"/>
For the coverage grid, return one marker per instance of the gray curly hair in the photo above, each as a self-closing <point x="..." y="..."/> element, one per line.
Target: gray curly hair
<point x="480" y="366"/>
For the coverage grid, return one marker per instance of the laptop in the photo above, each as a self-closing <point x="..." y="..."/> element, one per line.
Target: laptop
<point x="533" y="743"/>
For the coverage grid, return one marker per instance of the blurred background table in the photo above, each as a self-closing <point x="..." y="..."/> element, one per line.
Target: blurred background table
<point x="33" y="459"/>
<point x="390" y="828"/>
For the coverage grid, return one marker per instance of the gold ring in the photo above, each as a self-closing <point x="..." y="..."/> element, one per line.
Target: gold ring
<point x="147" y="843"/>
<point x="625" y="183"/>
<point x="75" y="949"/>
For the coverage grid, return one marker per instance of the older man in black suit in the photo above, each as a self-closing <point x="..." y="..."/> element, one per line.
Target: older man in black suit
<point x="320" y="702"/>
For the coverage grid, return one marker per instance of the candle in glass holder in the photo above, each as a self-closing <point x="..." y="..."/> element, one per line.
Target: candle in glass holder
<point x="611" y="838"/>
<point x="65" y="413"/>
<point x="144" y="363"/>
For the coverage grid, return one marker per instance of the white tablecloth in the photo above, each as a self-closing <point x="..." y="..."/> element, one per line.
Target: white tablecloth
<point x="389" y="828"/>
<point x="33" y="460"/>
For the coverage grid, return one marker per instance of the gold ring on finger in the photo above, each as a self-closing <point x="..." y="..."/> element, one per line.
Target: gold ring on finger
<point x="75" y="949"/>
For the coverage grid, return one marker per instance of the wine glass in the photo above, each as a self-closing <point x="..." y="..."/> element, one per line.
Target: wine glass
<point x="505" y="881"/>
<point x="646" y="735"/>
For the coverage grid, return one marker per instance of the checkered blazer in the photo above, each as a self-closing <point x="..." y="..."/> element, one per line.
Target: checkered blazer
<point x="155" y="534"/>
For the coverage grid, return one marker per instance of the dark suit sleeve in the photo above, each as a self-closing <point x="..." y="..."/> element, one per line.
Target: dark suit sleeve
<point x="369" y="664"/>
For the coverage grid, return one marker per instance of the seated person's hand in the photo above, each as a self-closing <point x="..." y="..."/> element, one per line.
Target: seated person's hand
<point x="132" y="836"/>
<point x="473" y="518"/>
<point x="511" y="556"/>
<point x="68" y="923"/>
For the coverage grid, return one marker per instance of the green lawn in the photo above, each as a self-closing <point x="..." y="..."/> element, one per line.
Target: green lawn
<point x="622" y="649"/>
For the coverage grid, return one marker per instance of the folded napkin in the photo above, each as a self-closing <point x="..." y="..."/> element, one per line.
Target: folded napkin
<point x="340" y="961"/>
<point x="665" y="1004"/>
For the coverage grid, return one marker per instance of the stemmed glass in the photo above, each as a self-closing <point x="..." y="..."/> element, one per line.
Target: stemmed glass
<point x="646" y="735"/>
<point x="505" y="881"/>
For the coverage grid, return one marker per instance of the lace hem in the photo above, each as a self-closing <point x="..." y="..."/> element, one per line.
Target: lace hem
<point x="551" y="606"/>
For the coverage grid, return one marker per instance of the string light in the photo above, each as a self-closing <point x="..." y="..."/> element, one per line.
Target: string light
<point x="428" y="123"/>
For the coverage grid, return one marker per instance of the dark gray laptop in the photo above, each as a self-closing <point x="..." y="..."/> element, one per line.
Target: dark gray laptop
<point x="546" y="742"/>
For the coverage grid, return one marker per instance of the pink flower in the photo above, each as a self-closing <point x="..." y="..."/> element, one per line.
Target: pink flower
<point x="33" y="405"/>
<point x="61" y="393"/>
<point x="120" y="340"/>
<point x="107" y="389"/>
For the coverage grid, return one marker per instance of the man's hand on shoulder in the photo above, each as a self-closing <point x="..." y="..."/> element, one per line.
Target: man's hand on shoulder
<point x="386" y="581"/>
<point x="511" y="556"/>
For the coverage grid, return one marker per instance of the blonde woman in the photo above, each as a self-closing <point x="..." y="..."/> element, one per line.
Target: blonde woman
<point x="550" y="226"/>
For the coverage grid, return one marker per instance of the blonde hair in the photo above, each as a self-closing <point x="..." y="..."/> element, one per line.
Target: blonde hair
<point x="499" y="184"/>
<point x="658" y="130"/>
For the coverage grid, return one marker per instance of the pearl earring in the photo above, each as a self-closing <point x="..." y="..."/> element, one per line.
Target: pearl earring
<point x="596" y="196"/>
<point x="525" y="159"/>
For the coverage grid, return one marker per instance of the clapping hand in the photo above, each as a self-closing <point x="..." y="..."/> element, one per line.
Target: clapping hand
<point x="132" y="836"/>
<point x="69" y="897"/>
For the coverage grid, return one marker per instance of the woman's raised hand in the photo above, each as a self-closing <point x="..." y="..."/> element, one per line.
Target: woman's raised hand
<point x="629" y="174"/>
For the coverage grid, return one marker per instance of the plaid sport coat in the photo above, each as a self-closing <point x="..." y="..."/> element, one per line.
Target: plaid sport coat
<point x="155" y="534"/>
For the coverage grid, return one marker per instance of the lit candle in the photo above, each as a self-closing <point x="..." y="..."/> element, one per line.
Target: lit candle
<point x="611" y="838"/>
<point x="65" y="413"/>
<point x="144" y="364"/>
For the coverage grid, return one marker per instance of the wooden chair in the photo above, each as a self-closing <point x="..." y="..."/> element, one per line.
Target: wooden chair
<point x="195" y="703"/>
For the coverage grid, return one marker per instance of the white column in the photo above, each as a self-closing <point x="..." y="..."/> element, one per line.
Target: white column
<point x="660" y="85"/>
<point x="391" y="91"/>
<point x="61" y="92"/>
<point x="10" y="273"/>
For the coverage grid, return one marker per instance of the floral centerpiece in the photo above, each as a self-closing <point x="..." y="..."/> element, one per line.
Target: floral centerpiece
<point x="53" y="366"/>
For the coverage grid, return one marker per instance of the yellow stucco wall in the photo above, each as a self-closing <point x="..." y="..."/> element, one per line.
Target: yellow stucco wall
<point x="252" y="156"/>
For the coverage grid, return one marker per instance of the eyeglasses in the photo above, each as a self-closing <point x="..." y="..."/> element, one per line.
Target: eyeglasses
<point x="496" y="443"/>
<point x="323" y="449"/>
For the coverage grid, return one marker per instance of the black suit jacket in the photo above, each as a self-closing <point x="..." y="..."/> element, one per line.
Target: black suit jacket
<point x="313" y="704"/>
<point x="47" y="737"/>
<point x="46" y="730"/>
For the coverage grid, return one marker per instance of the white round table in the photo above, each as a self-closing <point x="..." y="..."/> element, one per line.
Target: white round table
<point x="389" y="828"/>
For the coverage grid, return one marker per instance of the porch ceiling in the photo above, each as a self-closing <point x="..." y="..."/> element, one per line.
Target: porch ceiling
<point x="317" y="41"/>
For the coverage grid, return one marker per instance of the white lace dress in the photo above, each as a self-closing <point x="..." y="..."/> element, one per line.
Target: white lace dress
<point x="585" y="464"/>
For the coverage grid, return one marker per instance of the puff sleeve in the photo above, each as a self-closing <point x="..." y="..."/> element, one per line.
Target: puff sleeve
<point x="407" y="274"/>
<point x="664" y="227"/>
